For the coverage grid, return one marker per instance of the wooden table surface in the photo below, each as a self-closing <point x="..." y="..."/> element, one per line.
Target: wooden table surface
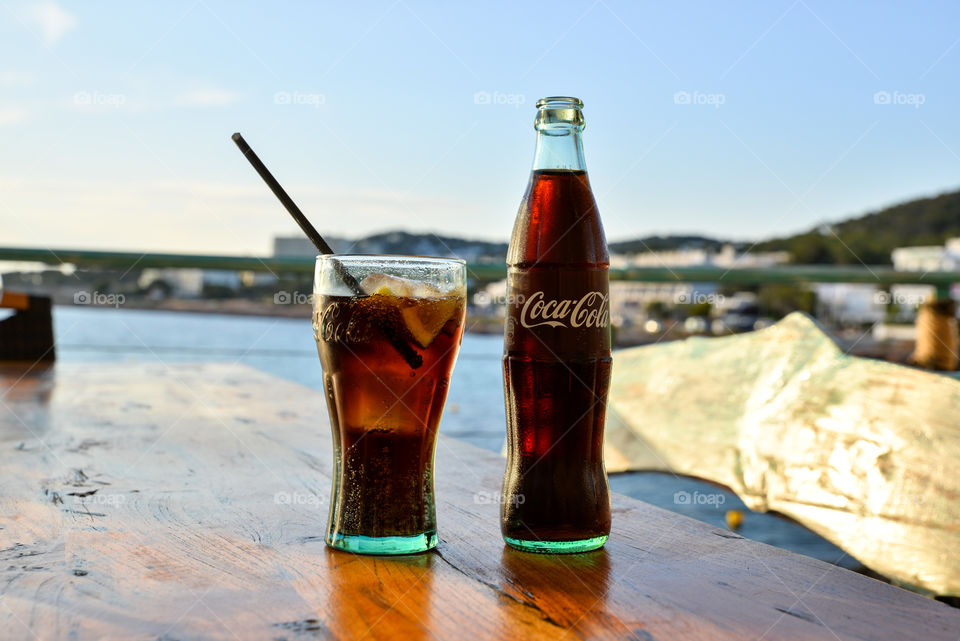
<point x="146" y="501"/>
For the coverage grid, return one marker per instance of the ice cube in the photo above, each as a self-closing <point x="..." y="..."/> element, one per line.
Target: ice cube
<point x="386" y="285"/>
<point x="426" y="290"/>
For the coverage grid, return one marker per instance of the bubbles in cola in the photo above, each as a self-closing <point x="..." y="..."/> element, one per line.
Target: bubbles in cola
<point x="384" y="414"/>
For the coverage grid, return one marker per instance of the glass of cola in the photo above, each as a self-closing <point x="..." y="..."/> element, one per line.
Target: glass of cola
<point x="388" y="329"/>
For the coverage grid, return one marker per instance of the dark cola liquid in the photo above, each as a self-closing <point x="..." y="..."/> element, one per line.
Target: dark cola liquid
<point x="556" y="368"/>
<point x="384" y="414"/>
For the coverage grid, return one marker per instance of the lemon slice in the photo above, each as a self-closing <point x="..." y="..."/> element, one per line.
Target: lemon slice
<point x="425" y="320"/>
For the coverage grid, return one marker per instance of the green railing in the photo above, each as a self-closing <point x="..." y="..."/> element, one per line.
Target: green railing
<point x="792" y="274"/>
<point x="138" y="260"/>
<point x="881" y="276"/>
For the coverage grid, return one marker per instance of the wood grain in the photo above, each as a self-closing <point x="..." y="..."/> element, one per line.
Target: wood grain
<point x="188" y="502"/>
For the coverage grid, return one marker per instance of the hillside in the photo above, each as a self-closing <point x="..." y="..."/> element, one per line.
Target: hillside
<point x="402" y="242"/>
<point x="666" y="243"/>
<point x="871" y="238"/>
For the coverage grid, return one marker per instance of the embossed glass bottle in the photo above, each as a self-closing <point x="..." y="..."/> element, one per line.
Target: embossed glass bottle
<point x="557" y="349"/>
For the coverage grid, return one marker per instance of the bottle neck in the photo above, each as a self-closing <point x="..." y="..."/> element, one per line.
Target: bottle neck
<point x="559" y="147"/>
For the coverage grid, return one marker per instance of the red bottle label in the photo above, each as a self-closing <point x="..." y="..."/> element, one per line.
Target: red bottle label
<point x="590" y="311"/>
<point x="560" y="310"/>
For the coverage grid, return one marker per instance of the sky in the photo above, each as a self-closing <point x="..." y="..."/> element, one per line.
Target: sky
<point x="741" y="120"/>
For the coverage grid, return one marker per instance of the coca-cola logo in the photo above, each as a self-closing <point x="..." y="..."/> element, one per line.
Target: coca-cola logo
<point x="591" y="310"/>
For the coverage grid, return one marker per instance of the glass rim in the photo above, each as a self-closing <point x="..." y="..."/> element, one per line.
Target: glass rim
<point x="408" y="259"/>
<point x="555" y="102"/>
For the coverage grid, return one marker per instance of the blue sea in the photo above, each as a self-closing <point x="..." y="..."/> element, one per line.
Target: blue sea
<point x="474" y="412"/>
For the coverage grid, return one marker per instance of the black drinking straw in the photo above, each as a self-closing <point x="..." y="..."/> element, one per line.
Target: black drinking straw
<point x="414" y="360"/>
<point x="287" y="201"/>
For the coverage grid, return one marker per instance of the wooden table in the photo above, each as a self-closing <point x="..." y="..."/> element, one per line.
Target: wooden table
<point x="188" y="502"/>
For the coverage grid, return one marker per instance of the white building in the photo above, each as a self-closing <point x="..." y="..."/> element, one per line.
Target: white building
<point x="728" y="258"/>
<point x="293" y="246"/>
<point x="850" y="303"/>
<point x="189" y="282"/>
<point x="183" y="283"/>
<point x="629" y="300"/>
<point x="862" y="303"/>
<point x="669" y="258"/>
<point x="928" y="258"/>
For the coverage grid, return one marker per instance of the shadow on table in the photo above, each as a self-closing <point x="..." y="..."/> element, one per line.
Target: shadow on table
<point x="25" y="390"/>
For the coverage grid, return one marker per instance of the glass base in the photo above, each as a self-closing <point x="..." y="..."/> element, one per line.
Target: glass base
<point x="383" y="545"/>
<point x="557" y="547"/>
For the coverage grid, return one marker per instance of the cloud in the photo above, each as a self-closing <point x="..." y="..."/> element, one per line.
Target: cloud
<point x="206" y="98"/>
<point x="239" y="216"/>
<point x="10" y="78"/>
<point x="54" y="22"/>
<point x="12" y="116"/>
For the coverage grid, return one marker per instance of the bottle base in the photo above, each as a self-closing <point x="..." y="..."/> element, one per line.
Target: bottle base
<point x="383" y="545"/>
<point x="557" y="547"/>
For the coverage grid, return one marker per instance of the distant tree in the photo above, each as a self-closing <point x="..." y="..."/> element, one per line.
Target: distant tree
<point x="656" y="309"/>
<point x="699" y="309"/>
<point x="217" y="291"/>
<point x="158" y="290"/>
<point x="871" y="238"/>
<point x="778" y="300"/>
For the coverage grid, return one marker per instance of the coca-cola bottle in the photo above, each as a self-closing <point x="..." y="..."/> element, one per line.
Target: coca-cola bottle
<point x="556" y="359"/>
